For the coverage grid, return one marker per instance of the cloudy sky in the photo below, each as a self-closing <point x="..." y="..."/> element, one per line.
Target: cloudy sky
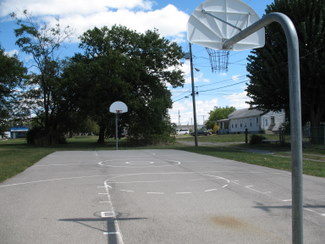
<point x="170" y="18"/>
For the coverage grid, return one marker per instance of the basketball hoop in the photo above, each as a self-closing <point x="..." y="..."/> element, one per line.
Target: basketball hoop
<point x="117" y="108"/>
<point x="218" y="59"/>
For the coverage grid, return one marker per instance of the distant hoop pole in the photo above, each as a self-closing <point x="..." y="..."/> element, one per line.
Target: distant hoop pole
<point x="295" y="111"/>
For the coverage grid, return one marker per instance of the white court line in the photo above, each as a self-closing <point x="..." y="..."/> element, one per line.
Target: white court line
<point x="103" y="163"/>
<point x="261" y="192"/>
<point x="156" y="192"/>
<point x="105" y="202"/>
<point x="50" y="180"/>
<point x="111" y="233"/>
<point x="183" y="192"/>
<point x="113" y="215"/>
<point x="287" y="200"/>
<point x="107" y="214"/>
<point x="235" y="182"/>
<point x="128" y="191"/>
<point x="314" y="211"/>
<point x="210" y="190"/>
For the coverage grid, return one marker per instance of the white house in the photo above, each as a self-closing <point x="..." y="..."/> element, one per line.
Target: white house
<point x="253" y="120"/>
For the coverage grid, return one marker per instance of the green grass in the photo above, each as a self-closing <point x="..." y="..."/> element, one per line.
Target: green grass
<point x="224" y="138"/>
<point x="267" y="160"/>
<point x="16" y="155"/>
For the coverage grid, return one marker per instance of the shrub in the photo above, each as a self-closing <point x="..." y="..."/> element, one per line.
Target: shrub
<point x="256" y="139"/>
<point x="39" y="136"/>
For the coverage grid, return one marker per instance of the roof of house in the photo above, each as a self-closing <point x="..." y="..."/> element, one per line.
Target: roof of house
<point x="244" y="113"/>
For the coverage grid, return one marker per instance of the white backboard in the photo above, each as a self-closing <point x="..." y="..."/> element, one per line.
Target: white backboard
<point x="118" y="107"/>
<point x="208" y="26"/>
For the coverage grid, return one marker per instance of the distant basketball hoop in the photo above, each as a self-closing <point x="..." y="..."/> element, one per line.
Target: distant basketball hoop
<point x="117" y="108"/>
<point x="218" y="59"/>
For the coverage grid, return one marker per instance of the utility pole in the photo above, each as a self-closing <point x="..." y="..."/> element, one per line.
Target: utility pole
<point x="193" y="96"/>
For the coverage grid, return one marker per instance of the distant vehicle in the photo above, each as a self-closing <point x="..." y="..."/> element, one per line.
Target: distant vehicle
<point x="201" y="133"/>
<point x="182" y="132"/>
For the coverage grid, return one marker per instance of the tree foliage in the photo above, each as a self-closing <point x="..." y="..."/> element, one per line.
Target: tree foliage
<point x="42" y="42"/>
<point x="12" y="74"/>
<point x="216" y="114"/>
<point x="121" y="64"/>
<point x="268" y="66"/>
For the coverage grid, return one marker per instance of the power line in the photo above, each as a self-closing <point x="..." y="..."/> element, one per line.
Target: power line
<point x="225" y="86"/>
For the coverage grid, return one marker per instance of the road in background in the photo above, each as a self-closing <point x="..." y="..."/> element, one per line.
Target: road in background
<point x="154" y="196"/>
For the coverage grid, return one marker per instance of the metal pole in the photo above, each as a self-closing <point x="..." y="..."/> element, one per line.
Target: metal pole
<point x="116" y="130"/>
<point x="295" y="111"/>
<point x="193" y="96"/>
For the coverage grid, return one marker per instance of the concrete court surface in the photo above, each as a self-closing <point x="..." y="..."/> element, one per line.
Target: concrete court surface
<point x="154" y="196"/>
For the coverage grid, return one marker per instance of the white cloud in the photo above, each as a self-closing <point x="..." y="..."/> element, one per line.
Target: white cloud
<point x="184" y="108"/>
<point x="82" y="15"/>
<point x="198" y="75"/>
<point x="238" y="100"/>
<point x="235" y="77"/>
<point x="12" y="53"/>
<point x="64" y="7"/>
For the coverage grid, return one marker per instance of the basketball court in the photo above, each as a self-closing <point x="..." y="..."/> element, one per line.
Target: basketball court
<point x="153" y="196"/>
<point x="169" y="196"/>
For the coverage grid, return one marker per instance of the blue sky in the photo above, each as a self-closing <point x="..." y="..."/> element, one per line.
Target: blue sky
<point x="170" y="18"/>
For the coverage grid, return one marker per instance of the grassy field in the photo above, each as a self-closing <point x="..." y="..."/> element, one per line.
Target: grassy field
<point x="225" y="138"/>
<point x="16" y="155"/>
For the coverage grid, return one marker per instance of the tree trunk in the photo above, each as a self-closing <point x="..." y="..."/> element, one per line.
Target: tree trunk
<point x="316" y="130"/>
<point x="101" y="137"/>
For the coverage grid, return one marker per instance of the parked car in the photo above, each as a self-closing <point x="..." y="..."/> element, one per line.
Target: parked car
<point x="201" y="133"/>
<point x="182" y="132"/>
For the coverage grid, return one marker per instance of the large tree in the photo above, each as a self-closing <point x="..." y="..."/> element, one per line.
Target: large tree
<point x="42" y="42"/>
<point x="121" y="64"/>
<point x="268" y="66"/>
<point x="12" y="73"/>
<point x="218" y="113"/>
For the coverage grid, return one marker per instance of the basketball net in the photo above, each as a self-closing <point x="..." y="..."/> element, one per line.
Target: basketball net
<point x="218" y="59"/>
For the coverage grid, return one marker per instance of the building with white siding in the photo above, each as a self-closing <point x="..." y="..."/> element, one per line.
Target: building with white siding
<point x="253" y="120"/>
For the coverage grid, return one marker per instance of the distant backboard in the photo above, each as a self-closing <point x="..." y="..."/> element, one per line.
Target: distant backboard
<point x="215" y="21"/>
<point x="118" y="107"/>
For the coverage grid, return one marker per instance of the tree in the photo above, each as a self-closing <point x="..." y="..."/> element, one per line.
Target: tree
<point x="12" y="74"/>
<point x="121" y="64"/>
<point x="42" y="42"/>
<point x="216" y="114"/>
<point x="268" y="86"/>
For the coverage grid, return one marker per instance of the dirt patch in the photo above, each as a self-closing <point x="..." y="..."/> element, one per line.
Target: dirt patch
<point x="228" y="222"/>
